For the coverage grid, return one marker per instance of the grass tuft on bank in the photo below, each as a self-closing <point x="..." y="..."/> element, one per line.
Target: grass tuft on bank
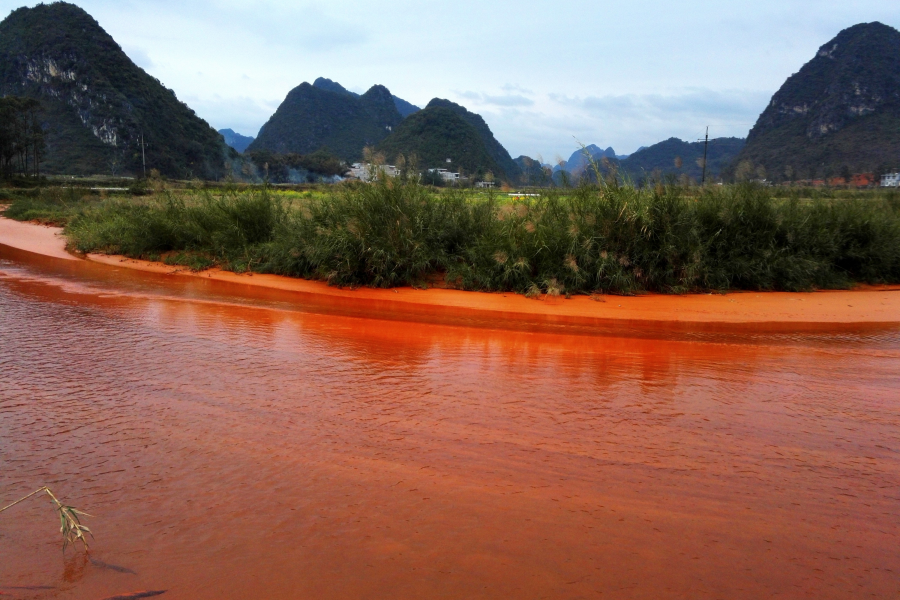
<point x="619" y="240"/>
<point x="49" y="206"/>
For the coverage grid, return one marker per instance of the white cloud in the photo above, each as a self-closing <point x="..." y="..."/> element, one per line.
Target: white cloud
<point x="557" y="123"/>
<point x="509" y="87"/>
<point x="741" y="106"/>
<point x="139" y="57"/>
<point x="499" y="100"/>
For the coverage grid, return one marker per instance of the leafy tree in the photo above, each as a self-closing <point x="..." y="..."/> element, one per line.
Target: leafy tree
<point x="21" y="137"/>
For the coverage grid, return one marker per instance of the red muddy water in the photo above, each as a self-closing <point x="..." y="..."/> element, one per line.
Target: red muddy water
<point x="234" y="443"/>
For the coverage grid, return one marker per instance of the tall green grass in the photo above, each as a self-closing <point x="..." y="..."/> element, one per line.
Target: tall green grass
<point x="50" y="206"/>
<point x="232" y="229"/>
<point x="589" y="239"/>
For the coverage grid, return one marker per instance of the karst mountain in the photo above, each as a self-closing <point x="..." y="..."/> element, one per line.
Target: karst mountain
<point x="840" y="113"/>
<point x="97" y="105"/>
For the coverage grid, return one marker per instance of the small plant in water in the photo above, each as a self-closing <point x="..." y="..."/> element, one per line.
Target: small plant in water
<point x="69" y="524"/>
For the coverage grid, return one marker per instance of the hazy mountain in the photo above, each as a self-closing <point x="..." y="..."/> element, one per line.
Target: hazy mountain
<point x="578" y="162"/>
<point x="312" y="118"/>
<point x="235" y="140"/>
<point x="671" y="157"/>
<point x="665" y="157"/>
<point x="840" y="112"/>
<point x="533" y="172"/>
<point x="437" y="133"/>
<point x="97" y="102"/>
<point x="403" y="107"/>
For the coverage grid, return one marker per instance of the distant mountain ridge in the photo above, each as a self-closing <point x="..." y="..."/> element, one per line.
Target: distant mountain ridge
<point x="672" y="157"/>
<point x="403" y="107"/>
<point x="578" y="162"/>
<point x="97" y="103"/>
<point x="665" y="157"/>
<point x="235" y="140"/>
<point x="841" y="111"/>
<point x="312" y="118"/>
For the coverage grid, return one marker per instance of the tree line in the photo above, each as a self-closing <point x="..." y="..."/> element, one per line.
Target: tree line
<point x="277" y="167"/>
<point x="21" y="137"/>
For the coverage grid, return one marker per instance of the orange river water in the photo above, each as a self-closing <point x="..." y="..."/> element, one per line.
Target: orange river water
<point x="237" y="441"/>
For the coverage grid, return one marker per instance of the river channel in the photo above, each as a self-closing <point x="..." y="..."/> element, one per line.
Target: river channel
<point x="233" y="443"/>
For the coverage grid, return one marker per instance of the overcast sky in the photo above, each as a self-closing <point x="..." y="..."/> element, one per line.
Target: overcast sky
<point x="543" y="74"/>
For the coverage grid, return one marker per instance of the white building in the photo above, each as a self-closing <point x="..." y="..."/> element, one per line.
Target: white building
<point x="485" y="184"/>
<point x="890" y="180"/>
<point x="367" y="172"/>
<point x="447" y="176"/>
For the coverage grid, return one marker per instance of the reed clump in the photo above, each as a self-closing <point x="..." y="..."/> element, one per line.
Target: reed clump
<point x="590" y="239"/>
<point x="201" y="228"/>
<point x="69" y="519"/>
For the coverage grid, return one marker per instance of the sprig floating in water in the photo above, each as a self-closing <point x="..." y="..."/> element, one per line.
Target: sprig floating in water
<point x="69" y="523"/>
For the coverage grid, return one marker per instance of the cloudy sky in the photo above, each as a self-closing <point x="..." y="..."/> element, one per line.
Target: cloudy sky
<point x="543" y="74"/>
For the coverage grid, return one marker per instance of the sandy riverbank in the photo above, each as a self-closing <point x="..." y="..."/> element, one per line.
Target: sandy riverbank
<point x="864" y="305"/>
<point x="38" y="239"/>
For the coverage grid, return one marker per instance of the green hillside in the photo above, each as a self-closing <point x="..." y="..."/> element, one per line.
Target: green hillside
<point x="509" y="170"/>
<point x="96" y="102"/>
<point x="437" y="133"/>
<point x="312" y="118"/>
<point x="839" y="113"/>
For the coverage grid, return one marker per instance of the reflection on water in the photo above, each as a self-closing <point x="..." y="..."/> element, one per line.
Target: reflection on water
<point x="242" y="444"/>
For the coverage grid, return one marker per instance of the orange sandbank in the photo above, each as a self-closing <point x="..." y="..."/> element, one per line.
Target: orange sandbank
<point x="866" y="304"/>
<point x="38" y="239"/>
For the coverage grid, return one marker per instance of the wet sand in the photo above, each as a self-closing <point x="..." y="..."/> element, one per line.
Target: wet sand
<point x="236" y="441"/>
<point x="39" y="239"/>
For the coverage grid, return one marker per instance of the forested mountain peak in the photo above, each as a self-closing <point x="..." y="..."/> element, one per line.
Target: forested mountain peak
<point x="403" y="107"/>
<point x="332" y="86"/>
<point x="96" y="103"/>
<point x="841" y="111"/>
<point x="312" y="118"/>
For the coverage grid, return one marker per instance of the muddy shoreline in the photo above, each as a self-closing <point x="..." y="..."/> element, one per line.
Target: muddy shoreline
<point x="871" y="305"/>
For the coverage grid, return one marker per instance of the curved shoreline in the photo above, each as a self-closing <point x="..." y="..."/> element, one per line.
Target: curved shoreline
<point x="865" y="305"/>
<point x="37" y="239"/>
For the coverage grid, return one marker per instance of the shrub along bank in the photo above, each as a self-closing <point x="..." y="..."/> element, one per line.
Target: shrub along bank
<point x="591" y="239"/>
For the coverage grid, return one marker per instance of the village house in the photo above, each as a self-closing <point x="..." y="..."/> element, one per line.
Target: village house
<point x="447" y="176"/>
<point x="367" y="172"/>
<point x="890" y="180"/>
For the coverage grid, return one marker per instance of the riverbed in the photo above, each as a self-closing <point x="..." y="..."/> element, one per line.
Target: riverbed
<point x="235" y="442"/>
